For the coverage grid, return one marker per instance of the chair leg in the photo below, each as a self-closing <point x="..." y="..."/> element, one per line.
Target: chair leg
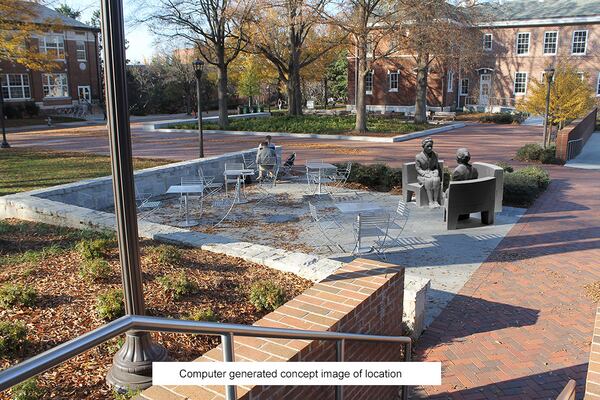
<point x="487" y="217"/>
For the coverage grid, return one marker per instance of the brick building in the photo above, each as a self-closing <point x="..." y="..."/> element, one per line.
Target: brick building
<point x="522" y="39"/>
<point x="77" y="75"/>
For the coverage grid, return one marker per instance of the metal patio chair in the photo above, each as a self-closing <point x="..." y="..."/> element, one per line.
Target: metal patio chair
<point x="374" y="229"/>
<point x="210" y="186"/>
<point x="146" y="206"/>
<point x="329" y="228"/>
<point x="340" y="177"/>
<point x="288" y="165"/>
<point x="250" y="161"/>
<point x="398" y="222"/>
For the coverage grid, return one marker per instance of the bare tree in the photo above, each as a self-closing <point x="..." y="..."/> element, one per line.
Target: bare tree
<point x="438" y="30"/>
<point x="370" y="25"/>
<point x="291" y="35"/>
<point x="215" y="27"/>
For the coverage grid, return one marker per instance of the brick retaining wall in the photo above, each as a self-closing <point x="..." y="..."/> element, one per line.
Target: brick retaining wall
<point x="592" y="384"/>
<point x="363" y="296"/>
<point x="579" y="129"/>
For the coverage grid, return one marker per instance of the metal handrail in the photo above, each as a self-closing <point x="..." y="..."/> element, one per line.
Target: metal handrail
<point x="63" y="352"/>
<point x="569" y="391"/>
<point x="574" y="147"/>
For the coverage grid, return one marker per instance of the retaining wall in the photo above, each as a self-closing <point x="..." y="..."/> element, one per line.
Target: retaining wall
<point x="581" y="128"/>
<point x="592" y="384"/>
<point x="363" y="296"/>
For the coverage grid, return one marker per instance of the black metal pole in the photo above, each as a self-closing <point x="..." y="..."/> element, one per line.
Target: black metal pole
<point x="132" y="364"/>
<point x="546" y="134"/>
<point x="200" y="130"/>
<point x="4" y="144"/>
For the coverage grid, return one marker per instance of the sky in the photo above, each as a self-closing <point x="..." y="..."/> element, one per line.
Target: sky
<point x="141" y="40"/>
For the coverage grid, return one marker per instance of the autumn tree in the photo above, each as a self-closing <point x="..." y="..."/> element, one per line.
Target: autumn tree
<point x="438" y="30"/>
<point x="570" y="97"/>
<point x="68" y="11"/>
<point x="215" y="27"/>
<point x="369" y="25"/>
<point x="251" y="73"/>
<point x="292" y="35"/>
<point x="19" y="23"/>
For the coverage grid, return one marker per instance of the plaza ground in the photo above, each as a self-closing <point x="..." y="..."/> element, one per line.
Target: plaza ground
<point x="521" y="325"/>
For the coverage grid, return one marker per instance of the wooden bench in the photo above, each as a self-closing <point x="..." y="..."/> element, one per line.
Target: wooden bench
<point x="444" y="115"/>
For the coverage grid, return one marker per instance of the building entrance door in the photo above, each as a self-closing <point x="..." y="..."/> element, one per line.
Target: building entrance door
<point x="485" y="84"/>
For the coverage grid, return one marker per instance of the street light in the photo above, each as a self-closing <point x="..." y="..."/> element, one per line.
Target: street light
<point x="198" y="67"/>
<point x="549" y="74"/>
<point x="269" y="98"/>
<point x="4" y="144"/>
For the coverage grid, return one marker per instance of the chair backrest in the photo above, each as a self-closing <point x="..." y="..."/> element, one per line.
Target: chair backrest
<point x="233" y="165"/>
<point x="191" y="180"/>
<point x="402" y="209"/>
<point x="201" y="174"/>
<point x="483" y="171"/>
<point x="366" y="223"/>
<point x="249" y="160"/>
<point x="290" y="161"/>
<point x="470" y="196"/>
<point x="313" y="211"/>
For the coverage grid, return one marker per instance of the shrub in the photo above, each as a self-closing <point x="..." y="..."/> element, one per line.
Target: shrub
<point x="13" y="336"/>
<point x="520" y="190"/>
<point x="203" y="314"/>
<point x="31" y="109"/>
<point x="109" y="305"/>
<point x="127" y="395"/>
<point x="14" y="111"/>
<point x="548" y="155"/>
<point x="505" y="166"/>
<point x="92" y="249"/>
<point x="13" y="294"/>
<point x="502" y="118"/>
<point x="266" y="295"/>
<point x="94" y="270"/>
<point x="539" y="174"/>
<point x="27" y="390"/>
<point x="166" y="254"/>
<point x="375" y="176"/>
<point x="530" y="152"/>
<point x="177" y="286"/>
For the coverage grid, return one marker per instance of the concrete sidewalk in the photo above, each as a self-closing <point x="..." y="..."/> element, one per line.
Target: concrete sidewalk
<point x="589" y="158"/>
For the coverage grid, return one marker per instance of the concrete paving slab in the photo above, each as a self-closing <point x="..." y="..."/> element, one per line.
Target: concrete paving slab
<point x="589" y="158"/>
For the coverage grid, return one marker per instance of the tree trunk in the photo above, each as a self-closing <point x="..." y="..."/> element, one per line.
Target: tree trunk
<point x="293" y="89"/>
<point x="361" y="106"/>
<point x="222" y="96"/>
<point x="421" y="95"/>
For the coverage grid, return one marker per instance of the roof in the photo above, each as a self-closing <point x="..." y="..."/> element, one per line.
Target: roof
<point x="45" y="14"/>
<point x="542" y="9"/>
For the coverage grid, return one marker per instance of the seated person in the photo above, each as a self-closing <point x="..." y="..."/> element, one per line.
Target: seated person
<point x="265" y="160"/>
<point x="429" y="172"/>
<point x="463" y="171"/>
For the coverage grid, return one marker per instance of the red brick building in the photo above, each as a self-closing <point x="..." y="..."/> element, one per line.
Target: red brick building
<point x="77" y="76"/>
<point x="523" y="38"/>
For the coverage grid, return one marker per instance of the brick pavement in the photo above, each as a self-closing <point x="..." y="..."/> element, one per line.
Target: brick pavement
<point x="521" y="327"/>
<point x="486" y="142"/>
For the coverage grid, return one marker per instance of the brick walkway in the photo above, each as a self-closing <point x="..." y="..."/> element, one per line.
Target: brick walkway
<point x="521" y="327"/>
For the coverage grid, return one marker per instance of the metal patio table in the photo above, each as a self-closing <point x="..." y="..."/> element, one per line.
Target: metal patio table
<point x="320" y="166"/>
<point x="186" y="190"/>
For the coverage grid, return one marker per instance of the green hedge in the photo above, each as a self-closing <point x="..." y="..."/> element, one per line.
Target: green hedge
<point x="535" y="152"/>
<point x="523" y="186"/>
<point x="502" y="118"/>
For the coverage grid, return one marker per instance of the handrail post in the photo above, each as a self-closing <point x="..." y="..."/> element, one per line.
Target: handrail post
<point x="340" y="355"/>
<point x="228" y="356"/>
<point x="407" y="358"/>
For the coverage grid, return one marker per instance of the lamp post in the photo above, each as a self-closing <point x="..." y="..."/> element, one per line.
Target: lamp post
<point x="4" y="144"/>
<point x="269" y="98"/>
<point x="198" y="67"/>
<point x="549" y="73"/>
<point x="132" y="364"/>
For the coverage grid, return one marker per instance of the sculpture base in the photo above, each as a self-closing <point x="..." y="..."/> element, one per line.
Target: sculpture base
<point x="132" y="364"/>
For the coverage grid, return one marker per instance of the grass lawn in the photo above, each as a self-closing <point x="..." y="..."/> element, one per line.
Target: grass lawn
<point x="26" y="169"/>
<point x="15" y="123"/>
<point x="321" y="124"/>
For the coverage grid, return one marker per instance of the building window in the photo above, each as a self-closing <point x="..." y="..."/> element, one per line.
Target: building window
<point x="487" y="41"/>
<point x="579" y="42"/>
<point x="393" y="77"/>
<point x="550" y="42"/>
<point x="369" y="82"/>
<point x="81" y="54"/>
<point x="55" y="85"/>
<point x="15" y="86"/>
<point x="464" y="87"/>
<point x="521" y="83"/>
<point x="53" y="45"/>
<point x="523" y="43"/>
<point x="450" y="80"/>
<point x="598" y="85"/>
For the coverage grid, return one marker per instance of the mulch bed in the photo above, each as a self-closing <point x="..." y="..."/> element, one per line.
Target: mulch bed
<point x="65" y="306"/>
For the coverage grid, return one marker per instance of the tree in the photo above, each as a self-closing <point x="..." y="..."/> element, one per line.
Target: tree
<point x="438" y="30"/>
<point x="291" y="35"/>
<point x="215" y="27"/>
<point x="337" y="75"/>
<point x="18" y="26"/>
<point x="68" y="11"/>
<point x="570" y="96"/>
<point x="370" y="24"/>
